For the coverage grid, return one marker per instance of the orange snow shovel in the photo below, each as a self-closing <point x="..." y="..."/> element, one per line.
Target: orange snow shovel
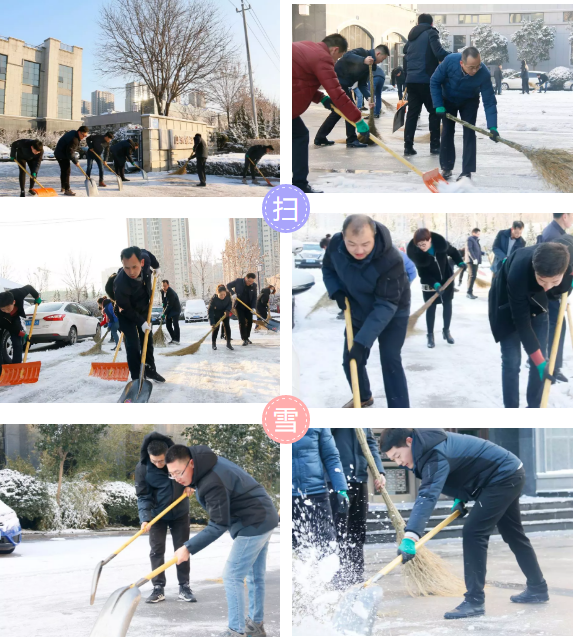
<point x="352" y="362"/>
<point x="554" y="349"/>
<point x="113" y="370"/>
<point x="41" y="192"/>
<point x="22" y="373"/>
<point x="98" y="571"/>
<point x="430" y="178"/>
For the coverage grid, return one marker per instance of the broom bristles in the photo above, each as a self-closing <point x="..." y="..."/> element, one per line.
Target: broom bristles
<point x="324" y="301"/>
<point x="97" y="347"/>
<point x="555" y="166"/>
<point x="181" y="170"/>
<point x="159" y="338"/>
<point x="482" y="283"/>
<point x="192" y="349"/>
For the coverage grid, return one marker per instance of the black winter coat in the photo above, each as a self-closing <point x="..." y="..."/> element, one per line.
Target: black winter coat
<point x="422" y="54"/>
<point x="398" y="76"/>
<point x="154" y="488"/>
<point x="255" y="153"/>
<point x="218" y="307"/>
<point x="132" y="296"/>
<point x="99" y="144"/>
<point x="122" y="151"/>
<point x="474" y="250"/>
<point x="500" y="247"/>
<point x="67" y="145"/>
<point x="498" y="75"/>
<point x="201" y="148"/>
<point x="247" y="293"/>
<point x="377" y="287"/>
<point x="171" y="303"/>
<point x="351" y="67"/>
<point x="11" y="322"/>
<point x="353" y="461"/>
<point x="436" y="268"/>
<point x="21" y="150"/>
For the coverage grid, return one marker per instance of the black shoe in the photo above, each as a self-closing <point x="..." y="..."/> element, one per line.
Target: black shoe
<point x="356" y="144"/>
<point x="214" y="346"/>
<point x="430" y="341"/>
<point x="560" y="377"/>
<point x="229" y="346"/>
<point x="173" y="342"/>
<point x="470" y="295"/>
<point x="530" y="597"/>
<point x="341" y="316"/>
<point x="376" y="116"/>
<point x="434" y="150"/>
<point x="363" y="108"/>
<point x="468" y="175"/>
<point x="32" y="192"/>
<point x="244" y="344"/>
<point x="248" y="340"/>
<point x="466" y="609"/>
<point x="323" y="142"/>
<point x="447" y="336"/>
<point x="124" y="179"/>
<point x="446" y="174"/>
<point x="156" y="596"/>
<point x="186" y="594"/>
<point x="152" y="374"/>
<point x="409" y="150"/>
<point x="308" y="189"/>
<point x="113" y="349"/>
<point x="22" y="193"/>
<point x="201" y="185"/>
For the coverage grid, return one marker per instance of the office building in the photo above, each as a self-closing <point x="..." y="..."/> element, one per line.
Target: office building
<point x="102" y="102"/>
<point x="86" y="107"/>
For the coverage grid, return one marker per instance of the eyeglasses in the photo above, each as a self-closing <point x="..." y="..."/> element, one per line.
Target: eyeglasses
<point x="179" y="474"/>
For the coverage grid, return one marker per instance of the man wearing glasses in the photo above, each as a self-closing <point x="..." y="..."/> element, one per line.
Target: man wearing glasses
<point x="455" y="88"/>
<point x="156" y="491"/>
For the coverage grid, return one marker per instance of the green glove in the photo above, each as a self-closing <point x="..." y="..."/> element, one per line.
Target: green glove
<point x="12" y="158"/>
<point x="344" y="494"/>
<point x="38" y="301"/>
<point x="459" y="505"/>
<point x="34" y="175"/>
<point x="326" y="102"/>
<point x="495" y="135"/>
<point x="25" y="339"/>
<point x="440" y="110"/>
<point x="406" y="549"/>
<point x="543" y="369"/>
<point x="463" y="265"/>
<point x="362" y="127"/>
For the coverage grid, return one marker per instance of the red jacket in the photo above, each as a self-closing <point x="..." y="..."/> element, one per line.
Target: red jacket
<point x="312" y="67"/>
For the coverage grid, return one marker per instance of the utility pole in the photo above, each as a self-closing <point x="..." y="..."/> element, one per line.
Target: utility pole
<point x="243" y="12"/>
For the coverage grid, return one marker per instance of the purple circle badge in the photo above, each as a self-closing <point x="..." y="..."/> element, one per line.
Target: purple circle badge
<point x="285" y="208"/>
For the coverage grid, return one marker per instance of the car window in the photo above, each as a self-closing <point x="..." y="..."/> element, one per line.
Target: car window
<point x="71" y="308"/>
<point x="50" y="307"/>
<point x="82" y="310"/>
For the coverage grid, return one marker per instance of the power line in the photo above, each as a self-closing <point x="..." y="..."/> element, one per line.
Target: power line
<point x="261" y="26"/>
<point x="263" y="47"/>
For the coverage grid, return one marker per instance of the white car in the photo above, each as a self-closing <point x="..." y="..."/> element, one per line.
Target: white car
<point x="195" y="310"/>
<point x="301" y="281"/>
<point x="514" y="83"/>
<point x="62" y="321"/>
<point x="10" y="529"/>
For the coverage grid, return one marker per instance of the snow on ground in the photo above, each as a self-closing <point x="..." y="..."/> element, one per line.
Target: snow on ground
<point x="45" y="587"/>
<point x="246" y="375"/>
<point x="160" y="184"/>
<point x="467" y="374"/>
<point x="540" y="120"/>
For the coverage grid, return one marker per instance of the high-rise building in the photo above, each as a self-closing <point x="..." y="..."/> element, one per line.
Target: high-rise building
<point x="102" y="102"/>
<point x="257" y="232"/>
<point x="136" y="93"/>
<point x="169" y="241"/>
<point x="86" y="107"/>
<point x="197" y="99"/>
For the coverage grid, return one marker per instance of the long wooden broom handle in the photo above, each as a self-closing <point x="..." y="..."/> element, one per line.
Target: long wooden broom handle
<point x="380" y="143"/>
<point x="443" y="287"/>
<point x="352" y="362"/>
<point x="485" y="132"/>
<point x="118" y="346"/>
<point x="29" y="175"/>
<point x="31" y="330"/>
<point x="570" y="320"/>
<point x="145" y="348"/>
<point x="554" y="349"/>
<point x="260" y="172"/>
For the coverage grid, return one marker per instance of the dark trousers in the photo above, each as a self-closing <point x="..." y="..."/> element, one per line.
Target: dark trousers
<point x="525" y="85"/>
<point x="120" y="168"/>
<point x="64" y="173"/>
<point x="394" y="381"/>
<point x="498" y="87"/>
<point x="249" y="166"/>
<point x="332" y="119"/>
<point x="400" y="90"/>
<point x="22" y="175"/>
<point x="225" y="329"/>
<point x="201" y="162"/>
<point x="312" y="524"/>
<point x="430" y="313"/>
<point x="498" y="506"/>
<point x="299" y="152"/>
<point x="420" y="95"/>
<point x="245" y="319"/>
<point x="17" y="348"/>
<point x="553" y="316"/>
<point x="511" y="365"/>
<point x="91" y="159"/>
<point x="468" y="113"/>
<point x="180" y="529"/>
<point x="173" y="327"/>
<point x="134" y="341"/>
<point x="351" y="532"/>
<point x="262" y="310"/>
<point x="472" y="276"/>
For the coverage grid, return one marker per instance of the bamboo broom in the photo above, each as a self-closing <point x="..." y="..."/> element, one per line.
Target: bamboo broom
<point x="159" y="337"/>
<point x="192" y="349"/>
<point x="366" y="139"/>
<point x="97" y="347"/>
<point x="426" y="574"/>
<point x="324" y="301"/>
<point x="417" y="314"/>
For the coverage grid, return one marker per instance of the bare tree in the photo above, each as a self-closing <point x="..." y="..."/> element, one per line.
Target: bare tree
<point x="240" y="257"/>
<point x="6" y="269"/>
<point x="39" y="279"/>
<point x="76" y="277"/>
<point x="172" y="46"/>
<point x="227" y="86"/>
<point x="201" y="262"/>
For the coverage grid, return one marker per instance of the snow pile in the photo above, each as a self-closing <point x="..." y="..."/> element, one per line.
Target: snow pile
<point x="463" y="185"/>
<point x="4" y="150"/>
<point x="233" y="164"/>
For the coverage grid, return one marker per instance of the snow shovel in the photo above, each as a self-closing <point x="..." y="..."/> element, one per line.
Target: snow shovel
<point x="554" y="349"/>
<point x="139" y="391"/>
<point x="119" y="181"/>
<point x="269" y="183"/>
<point x="41" y="192"/>
<point x="91" y="188"/>
<point x="357" y="609"/>
<point x="415" y="316"/>
<point x="430" y="178"/>
<point x="113" y="370"/>
<point x="271" y="324"/>
<point x="98" y="571"/>
<point x="22" y="373"/>
<point x="144" y="173"/>
<point x="352" y="362"/>
<point x="399" y="117"/>
<point x="116" y="615"/>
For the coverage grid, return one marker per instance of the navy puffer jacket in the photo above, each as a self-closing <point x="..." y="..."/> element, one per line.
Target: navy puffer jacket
<point x="351" y="455"/>
<point x="423" y="53"/>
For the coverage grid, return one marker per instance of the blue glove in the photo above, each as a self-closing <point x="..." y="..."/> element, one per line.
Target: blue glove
<point x="459" y="505"/>
<point x="407" y="550"/>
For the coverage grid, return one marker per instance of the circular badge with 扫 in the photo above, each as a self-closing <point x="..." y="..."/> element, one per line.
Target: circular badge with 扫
<point x="285" y="208"/>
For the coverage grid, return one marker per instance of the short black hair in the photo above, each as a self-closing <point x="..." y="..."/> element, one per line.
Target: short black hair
<point x="324" y="243"/>
<point x="383" y="48"/>
<point x="394" y="438"/>
<point x="128" y="253"/>
<point x="109" y="134"/>
<point x="38" y="145"/>
<point x="83" y="129"/>
<point x="269" y="147"/>
<point x="470" y="51"/>
<point x="157" y="448"/>
<point x="550" y="259"/>
<point x="165" y="281"/>
<point x="356" y="222"/>
<point x="425" y="18"/>
<point x="251" y="275"/>
<point x="558" y="215"/>
<point x="475" y="230"/>
<point x="336" y="40"/>
<point x="222" y="288"/>
<point x="178" y="452"/>
<point x="100" y="300"/>
<point x="518" y="224"/>
<point x="6" y="298"/>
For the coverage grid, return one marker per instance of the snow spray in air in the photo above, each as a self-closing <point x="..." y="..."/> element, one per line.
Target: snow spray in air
<point x="463" y="185"/>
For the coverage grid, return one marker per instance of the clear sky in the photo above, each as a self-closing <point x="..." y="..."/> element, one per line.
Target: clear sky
<point x="74" y="23"/>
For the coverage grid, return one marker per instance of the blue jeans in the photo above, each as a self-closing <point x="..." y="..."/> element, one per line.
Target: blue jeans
<point x="359" y="96"/>
<point x="511" y="365"/>
<point x="247" y="559"/>
<point x="114" y="331"/>
<point x="91" y="158"/>
<point x="544" y="85"/>
<point x="378" y="82"/>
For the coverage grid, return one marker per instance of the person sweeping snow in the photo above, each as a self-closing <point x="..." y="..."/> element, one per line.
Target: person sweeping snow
<point x="253" y="156"/>
<point x="100" y="144"/>
<point x="221" y="305"/>
<point x="172" y="311"/>
<point x="467" y="469"/>
<point x="506" y="243"/>
<point x="474" y="259"/>
<point x="122" y="152"/>
<point x="65" y="152"/>
<point x="31" y="152"/>
<point x="246" y="290"/>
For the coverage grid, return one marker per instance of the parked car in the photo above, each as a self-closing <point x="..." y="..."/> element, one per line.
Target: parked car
<point x="310" y="256"/>
<point x="568" y="85"/>
<point x="195" y="310"/>
<point x="513" y="82"/>
<point x="10" y="529"/>
<point x="156" y="313"/>
<point x="62" y="322"/>
<point x="301" y="282"/>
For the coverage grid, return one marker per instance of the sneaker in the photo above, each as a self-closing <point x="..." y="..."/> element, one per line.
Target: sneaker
<point x="323" y="142"/>
<point x="186" y="593"/>
<point x="468" y="175"/>
<point x="365" y="403"/>
<point x="156" y="596"/>
<point x="530" y="597"/>
<point x="470" y="295"/>
<point x="466" y="609"/>
<point x="152" y="374"/>
<point x="446" y="174"/>
<point x="356" y="144"/>
<point x="409" y="150"/>
<point x="253" y="629"/>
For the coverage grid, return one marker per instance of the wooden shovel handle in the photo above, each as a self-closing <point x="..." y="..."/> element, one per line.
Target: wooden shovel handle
<point x="153" y="574"/>
<point x="118" y="346"/>
<point x="352" y="362"/>
<point x="31" y="330"/>
<point x="570" y="320"/>
<point x="105" y="164"/>
<point x="443" y="287"/>
<point x="554" y="349"/>
<point x="145" y="348"/>
<point x="29" y="175"/>
<point x="251" y="309"/>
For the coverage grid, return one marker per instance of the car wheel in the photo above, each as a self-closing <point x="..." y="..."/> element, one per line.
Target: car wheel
<point x="504" y="87"/>
<point x="72" y="336"/>
<point x="8" y="552"/>
<point x="7" y="348"/>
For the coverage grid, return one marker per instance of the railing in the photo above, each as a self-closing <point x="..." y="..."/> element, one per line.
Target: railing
<point x="66" y="47"/>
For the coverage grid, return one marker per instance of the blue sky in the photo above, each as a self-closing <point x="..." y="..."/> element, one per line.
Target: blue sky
<point x="74" y="23"/>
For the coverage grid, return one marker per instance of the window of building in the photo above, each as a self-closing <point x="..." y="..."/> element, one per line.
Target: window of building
<point x="554" y="450"/>
<point x="31" y="75"/>
<point x="474" y="18"/>
<point x="2" y="95"/>
<point x="440" y="19"/>
<point x="459" y="42"/>
<point x="357" y="37"/>
<point x="29" y="105"/>
<point x="527" y="17"/>
<point x="304" y="9"/>
<point x="64" y="107"/>
<point x="567" y="16"/>
<point x="3" y="66"/>
<point x="65" y="74"/>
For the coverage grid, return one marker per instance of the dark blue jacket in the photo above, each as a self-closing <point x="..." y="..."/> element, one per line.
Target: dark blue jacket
<point x="122" y="151"/>
<point x="351" y="456"/>
<point x="458" y="466"/>
<point x="474" y="249"/>
<point x="500" y="247"/>
<point x="377" y="287"/>
<point x="552" y="231"/>
<point x="109" y="311"/>
<point x="351" y="68"/>
<point x="67" y="146"/>
<point x="309" y="456"/>
<point x="422" y="54"/>
<point x="451" y="83"/>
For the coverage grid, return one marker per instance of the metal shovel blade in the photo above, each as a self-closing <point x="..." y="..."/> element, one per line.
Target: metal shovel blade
<point x="116" y="615"/>
<point x="91" y="188"/>
<point x="357" y="611"/>
<point x="95" y="580"/>
<point x="132" y="393"/>
<point x="120" y="183"/>
<point x="144" y="174"/>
